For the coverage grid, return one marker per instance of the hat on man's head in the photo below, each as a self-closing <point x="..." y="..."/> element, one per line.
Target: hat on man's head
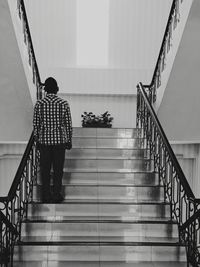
<point x="50" y="85"/>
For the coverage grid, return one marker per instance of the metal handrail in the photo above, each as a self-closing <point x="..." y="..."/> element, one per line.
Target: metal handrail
<point x="178" y="193"/>
<point x="177" y="166"/>
<point x="195" y="216"/>
<point x="31" y="53"/>
<point x="173" y="19"/>
<point x="163" y="41"/>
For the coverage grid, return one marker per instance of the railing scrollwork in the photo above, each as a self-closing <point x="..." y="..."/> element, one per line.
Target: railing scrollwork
<point x="172" y="23"/>
<point x="190" y="235"/>
<point x="8" y="234"/>
<point x="184" y="207"/>
<point x="29" y="44"/>
<point x="15" y="204"/>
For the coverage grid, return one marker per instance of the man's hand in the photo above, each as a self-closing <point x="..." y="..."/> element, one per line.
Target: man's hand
<point x="68" y="145"/>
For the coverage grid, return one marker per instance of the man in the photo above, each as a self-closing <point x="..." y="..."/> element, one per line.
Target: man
<point x="52" y="126"/>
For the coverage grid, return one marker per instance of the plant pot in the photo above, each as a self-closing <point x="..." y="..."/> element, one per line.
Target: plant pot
<point x="97" y="126"/>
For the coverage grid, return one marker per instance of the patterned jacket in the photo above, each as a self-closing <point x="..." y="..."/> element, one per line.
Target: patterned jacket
<point x="52" y="122"/>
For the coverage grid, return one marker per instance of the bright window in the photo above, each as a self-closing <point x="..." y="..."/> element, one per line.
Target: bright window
<point x="92" y="32"/>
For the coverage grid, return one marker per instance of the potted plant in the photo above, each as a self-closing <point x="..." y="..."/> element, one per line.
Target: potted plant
<point x="90" y="120"/>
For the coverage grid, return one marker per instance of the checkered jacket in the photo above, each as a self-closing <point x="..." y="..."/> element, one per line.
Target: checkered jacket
<point x="52" y="124"/>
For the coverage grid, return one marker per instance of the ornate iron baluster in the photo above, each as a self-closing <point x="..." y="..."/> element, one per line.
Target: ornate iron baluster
<point x="176" y="188"/>
<point x="173" y="20"/>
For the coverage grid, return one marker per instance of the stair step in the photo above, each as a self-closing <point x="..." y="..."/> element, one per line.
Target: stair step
<point x="129" y="252"/>
<point x="97" y="219"/>
<point x="106" y="132"/>
<point x="124" y="240"/>
<point x="107" y="142"/>
<point x="106" y="178"/>
<point x="99" y="153"/>
<point x="106" y="170"/>
<point x="97" y="264"/>
<point x="109" y="164"/>
<point x="100" y="230"/>
<point x="97" y="192"/>
<point x="123" y="209"/>
<point x="114" y="213"/>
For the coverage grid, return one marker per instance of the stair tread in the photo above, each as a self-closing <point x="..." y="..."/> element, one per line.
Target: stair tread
<point x="99" y="243"/>
<point x="100" y="239"/>
<point x="105" y="201"/>
<point x="99" y="219"/>
<point x="79" y="263"/>
<point x="108" y="171"/>
<point x="109" y="185"/>
<point x="105" y="158"/>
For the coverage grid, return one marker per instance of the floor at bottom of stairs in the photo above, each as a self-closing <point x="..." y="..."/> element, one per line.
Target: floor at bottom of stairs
<point x="98" y="264"/>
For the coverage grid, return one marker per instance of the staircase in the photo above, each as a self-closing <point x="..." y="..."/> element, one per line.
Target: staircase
<point x="114" y="213"/>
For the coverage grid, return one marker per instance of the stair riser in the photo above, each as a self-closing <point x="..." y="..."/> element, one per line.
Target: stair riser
<point x="102" y="253"/>
<point x="125" y="143"/>
<point x="103" y="132"/>
<point x="121" y="210"/>
<point x="51" y="230"/>
<point x="108" y="164"/>
<point x="108" y="178"/>
<point x="98" y="192"/>
<point x="104" y="153"/>
<point x="97" y="264"/>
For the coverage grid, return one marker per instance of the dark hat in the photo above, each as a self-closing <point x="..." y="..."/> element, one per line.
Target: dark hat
<point x="50" y="82"/>
<point x="50" y="85"/>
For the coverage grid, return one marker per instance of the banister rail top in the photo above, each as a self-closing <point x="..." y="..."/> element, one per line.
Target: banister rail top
<point x="163" y="41"/>
<point x="30" y="39"/>
<point x="168" y="146"/>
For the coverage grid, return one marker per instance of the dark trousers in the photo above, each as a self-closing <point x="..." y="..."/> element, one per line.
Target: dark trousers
<point x="51" y="156"/>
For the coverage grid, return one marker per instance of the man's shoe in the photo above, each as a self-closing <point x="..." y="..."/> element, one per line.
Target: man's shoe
<point x="58" y="198"/>
<point x="46" y="200"/>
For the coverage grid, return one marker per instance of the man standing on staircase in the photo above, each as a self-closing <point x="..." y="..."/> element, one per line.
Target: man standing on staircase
<point x="52" y="126"/>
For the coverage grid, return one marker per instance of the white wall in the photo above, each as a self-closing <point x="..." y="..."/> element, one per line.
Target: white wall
<point x="184" y="9"/>
<point x="180" y="109"/>
<point x="15" y="101"/>
<point x="188" y="156"/>
<point x="136" y="30"/>
<point x="122" y="108"/>
<point x="10" y="157"/>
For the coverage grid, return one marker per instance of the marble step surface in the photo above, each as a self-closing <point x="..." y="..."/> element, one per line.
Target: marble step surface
<point x="109" y="164"/>
<point x="102" y="153"/>
<point x="111" y="192"/>
<point x="75" y="177"/>
<point x="135" y="252"/>
<point x="98" y="264"/>
<point x="106" y="132"/>
<point x="122" y="210"/>
<point x="107" y="142"/>
<point x="99" y="231"/>
<point x="109" y="178"/>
